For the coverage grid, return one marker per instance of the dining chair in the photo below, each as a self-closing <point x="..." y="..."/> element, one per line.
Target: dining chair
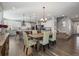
<point x="34" y="31"/>
<point x="28" y="44"/>
<point x="52" y="39"/>
<point x="45" y="40"/>
<point x="17" y="35"/>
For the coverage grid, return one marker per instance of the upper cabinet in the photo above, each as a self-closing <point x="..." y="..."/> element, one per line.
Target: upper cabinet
<point x="1" y="14"/>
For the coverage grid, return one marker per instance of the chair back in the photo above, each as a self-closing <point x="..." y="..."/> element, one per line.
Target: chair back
<point x="45" y="37"/>
<point x="25" y="37"/>
<point x="34" y="31"/>
<point x="54" y="36"/>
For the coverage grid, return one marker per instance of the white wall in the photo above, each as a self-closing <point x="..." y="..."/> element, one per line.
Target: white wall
<point x="1" y="15"/>
<point x="65" y="28"/>
<point x="75" y="31"/>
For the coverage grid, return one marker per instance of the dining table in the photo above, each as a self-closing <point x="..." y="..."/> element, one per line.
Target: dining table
<point x="37" y="37"/>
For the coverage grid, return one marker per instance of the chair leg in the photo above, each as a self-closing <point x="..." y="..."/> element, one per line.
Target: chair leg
<point x="48" y="46"/>
<point x="43" y="47"/>
<point x="55" y="41"/>
<point x="24" y="48"/>
<point x="34" y="49"/>
<point x="26" y="51"/>
<point x="52" y="43"/>
<point x="36" y="46"/>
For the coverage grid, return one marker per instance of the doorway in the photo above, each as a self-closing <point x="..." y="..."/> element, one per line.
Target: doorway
<point x="77" y="28"/>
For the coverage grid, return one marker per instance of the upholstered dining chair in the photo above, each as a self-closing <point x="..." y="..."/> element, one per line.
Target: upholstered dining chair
<point x="28" y="44"/>
<point x="53" y="38"/>
<point x="34" y="32"/>
<point x="45" y="40"/>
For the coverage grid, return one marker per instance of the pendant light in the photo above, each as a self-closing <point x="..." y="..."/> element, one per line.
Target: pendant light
<point x="43" y="19"/>
<point x="23" y="22"/>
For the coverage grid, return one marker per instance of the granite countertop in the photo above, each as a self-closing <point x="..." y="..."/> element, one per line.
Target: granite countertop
<point x="3" y="39"/>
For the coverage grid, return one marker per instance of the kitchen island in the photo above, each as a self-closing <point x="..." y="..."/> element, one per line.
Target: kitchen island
<point x="4" y="44"/>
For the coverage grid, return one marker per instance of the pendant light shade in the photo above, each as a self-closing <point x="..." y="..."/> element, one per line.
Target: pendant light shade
<point x="43" y="19"/>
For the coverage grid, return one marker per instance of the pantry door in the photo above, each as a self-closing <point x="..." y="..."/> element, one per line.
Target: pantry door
<point x="77" y="28"/>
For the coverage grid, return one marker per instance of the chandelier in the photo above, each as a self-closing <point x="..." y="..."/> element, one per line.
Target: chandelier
<point x="43" y="19"/>
<point x="23" y="22"/>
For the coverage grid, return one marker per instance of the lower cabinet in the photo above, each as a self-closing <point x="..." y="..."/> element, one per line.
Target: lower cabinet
<point x="4" y="49"/>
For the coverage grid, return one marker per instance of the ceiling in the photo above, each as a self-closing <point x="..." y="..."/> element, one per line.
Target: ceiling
<point x="34" y="10"/>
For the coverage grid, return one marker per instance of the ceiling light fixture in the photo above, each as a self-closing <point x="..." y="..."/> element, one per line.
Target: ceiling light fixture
<point x="76" y="16"/>
<point x="63" y="15"/>
<point x="43" y="19"/>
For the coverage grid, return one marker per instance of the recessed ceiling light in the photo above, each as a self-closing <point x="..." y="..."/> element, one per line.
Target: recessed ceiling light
<point x="63" y="15"/>
<point x="13" y="8"/>
<point x="77" y="16"/>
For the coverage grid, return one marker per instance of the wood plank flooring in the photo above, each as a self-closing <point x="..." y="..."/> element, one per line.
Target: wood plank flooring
<point x="69" y="47"/>
<point x="15" y="47"/>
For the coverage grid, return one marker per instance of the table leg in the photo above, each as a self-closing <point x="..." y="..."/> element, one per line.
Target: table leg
<point x="38" y="45"/>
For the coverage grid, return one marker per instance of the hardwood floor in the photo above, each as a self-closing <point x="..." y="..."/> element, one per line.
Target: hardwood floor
<point x="67" y="47"/>
<point x="15" y="47"/>
<point x="63" y="47"/>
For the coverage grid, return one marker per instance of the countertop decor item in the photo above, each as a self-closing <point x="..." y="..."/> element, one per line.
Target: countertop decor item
<point x="3" y="26"/>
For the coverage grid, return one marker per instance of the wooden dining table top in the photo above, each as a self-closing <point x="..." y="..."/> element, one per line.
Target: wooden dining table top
<point x="38" y="35"/>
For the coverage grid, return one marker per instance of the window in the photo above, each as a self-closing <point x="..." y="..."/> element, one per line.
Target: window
<point x="64" y="23"/>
